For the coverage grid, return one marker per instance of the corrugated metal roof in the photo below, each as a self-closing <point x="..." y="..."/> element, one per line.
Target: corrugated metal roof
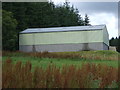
<point x="63" y="29"/>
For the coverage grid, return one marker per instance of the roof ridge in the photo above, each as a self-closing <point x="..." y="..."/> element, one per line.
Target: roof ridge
<point x="67" y="26"/>
<point x="59" y="29"/>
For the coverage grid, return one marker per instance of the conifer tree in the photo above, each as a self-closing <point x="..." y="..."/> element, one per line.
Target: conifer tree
<point x="86" y="20"/>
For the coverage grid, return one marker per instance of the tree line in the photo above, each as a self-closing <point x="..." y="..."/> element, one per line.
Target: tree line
<point x="18" y="16"/>
<point x="115" y="42"/>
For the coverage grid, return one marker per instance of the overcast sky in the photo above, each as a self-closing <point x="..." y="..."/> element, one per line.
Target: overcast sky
<point x="99" y="13"/>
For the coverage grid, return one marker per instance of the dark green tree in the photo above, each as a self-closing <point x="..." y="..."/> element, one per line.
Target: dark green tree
<point x="115" y="42"/>
<point x="111" y="41"/>
<point x="118" y="44"/>
<point x="86" y="20"/>
<point x="19" y="13"/>
<point x="9" y="33"/>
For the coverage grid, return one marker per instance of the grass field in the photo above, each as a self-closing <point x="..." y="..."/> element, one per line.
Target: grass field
<point x="44" y="60"/>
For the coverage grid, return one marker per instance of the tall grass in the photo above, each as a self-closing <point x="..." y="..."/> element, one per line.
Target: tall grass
<point x="90" y="55"/>
<point x="88" y="76"/>
<point x="93" y="55"/>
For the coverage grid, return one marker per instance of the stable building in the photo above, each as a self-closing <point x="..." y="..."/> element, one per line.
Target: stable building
<point x="61" y="39"/>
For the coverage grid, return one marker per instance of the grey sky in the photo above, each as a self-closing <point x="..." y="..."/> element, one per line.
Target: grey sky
<point x="96" y="7"/>
<point x="99" y="13"/>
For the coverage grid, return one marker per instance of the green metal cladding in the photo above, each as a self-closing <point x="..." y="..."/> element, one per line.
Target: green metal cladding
<point x="69" y="37"/>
